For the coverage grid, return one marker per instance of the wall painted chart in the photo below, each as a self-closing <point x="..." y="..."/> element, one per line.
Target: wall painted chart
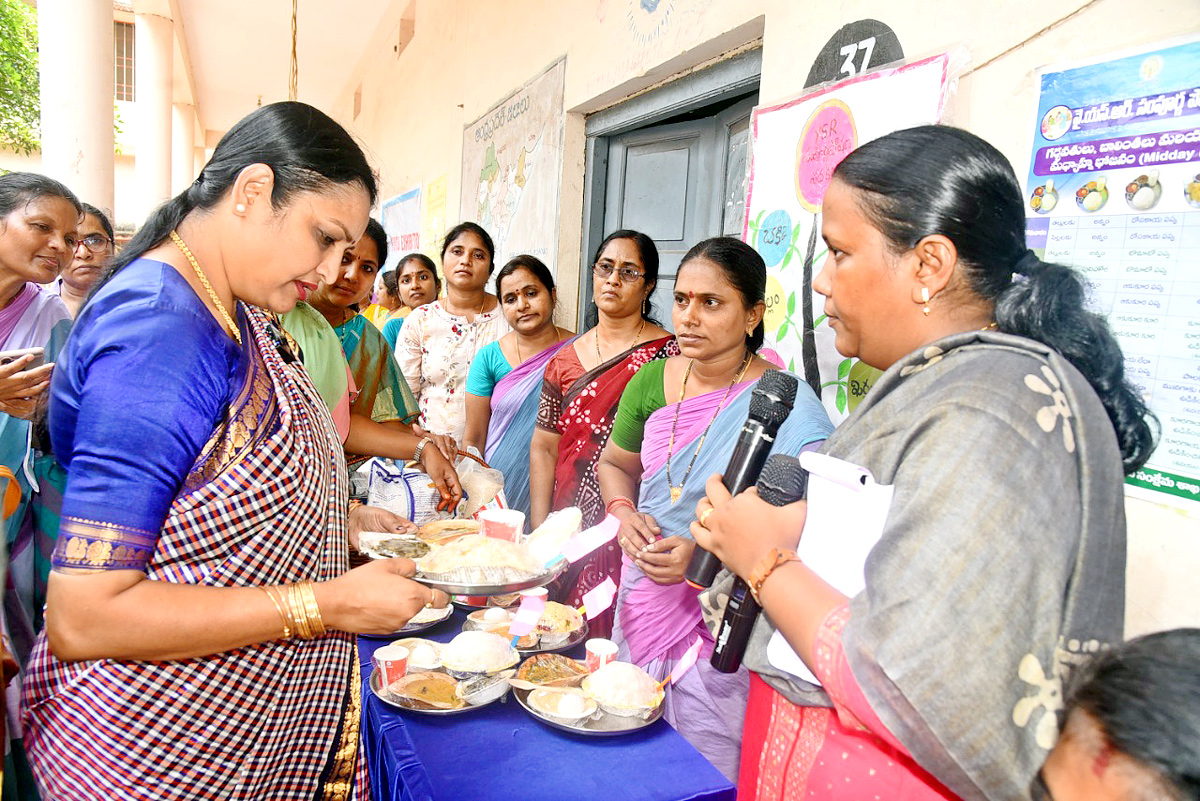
<point x="512" y="168"/>
<point x="1114" y="190"/>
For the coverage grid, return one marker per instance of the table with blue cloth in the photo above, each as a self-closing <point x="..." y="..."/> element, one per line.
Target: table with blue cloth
<point x="501" y="753"/>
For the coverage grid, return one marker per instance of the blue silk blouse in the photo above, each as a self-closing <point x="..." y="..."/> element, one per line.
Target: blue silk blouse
<point x="144" y="379"/>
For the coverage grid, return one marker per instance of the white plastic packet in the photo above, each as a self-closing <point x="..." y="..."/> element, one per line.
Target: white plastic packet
<point x="405" y="491"/>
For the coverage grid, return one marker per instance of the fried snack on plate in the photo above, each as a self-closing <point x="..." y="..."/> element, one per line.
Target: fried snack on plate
<point x="551" y="670"/>
<point x="443" y="531"/>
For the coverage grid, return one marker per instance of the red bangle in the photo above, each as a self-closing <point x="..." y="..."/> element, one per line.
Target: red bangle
<point x="618" y="502"/>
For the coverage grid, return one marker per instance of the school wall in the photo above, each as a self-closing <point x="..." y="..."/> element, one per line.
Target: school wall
<point x="461" y="57"/>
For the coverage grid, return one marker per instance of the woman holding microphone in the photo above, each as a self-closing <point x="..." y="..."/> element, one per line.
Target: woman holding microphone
<point x="1005" y="426"/>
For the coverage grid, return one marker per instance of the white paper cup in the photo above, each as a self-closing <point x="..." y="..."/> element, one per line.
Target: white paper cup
<point x="599" y="653"/>
<point x="502" y="524"/>
<point x="392" y="663"/>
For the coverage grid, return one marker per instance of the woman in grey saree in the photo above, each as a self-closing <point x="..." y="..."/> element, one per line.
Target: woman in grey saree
<point x="1003" y="424"/>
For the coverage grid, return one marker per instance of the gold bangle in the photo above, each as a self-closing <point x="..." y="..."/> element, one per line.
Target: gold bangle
<point x="312" y="610"/>
<point x="296" y="607"/>
<point x="287" y="630"/>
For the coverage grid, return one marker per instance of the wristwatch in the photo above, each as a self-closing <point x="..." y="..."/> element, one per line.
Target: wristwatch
<point x="420" y="449"/>
<point x="765" y="567"/>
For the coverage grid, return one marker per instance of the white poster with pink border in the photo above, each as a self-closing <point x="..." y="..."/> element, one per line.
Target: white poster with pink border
<point x="795" y="146"/>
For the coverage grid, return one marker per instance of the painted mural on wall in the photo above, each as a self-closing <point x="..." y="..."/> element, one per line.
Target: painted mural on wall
<point x="795" y="146"/>
<point x="512" y="169"/>
<point x="1113" y="190"/>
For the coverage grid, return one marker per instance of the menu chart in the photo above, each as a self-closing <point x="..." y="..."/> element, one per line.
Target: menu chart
<point x="1114" y="191"/>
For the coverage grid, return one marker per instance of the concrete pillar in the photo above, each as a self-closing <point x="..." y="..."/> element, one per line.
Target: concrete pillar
<point x="154" y="39"/>
<point x="76" y="65"/>
<point x="183" y="147"/>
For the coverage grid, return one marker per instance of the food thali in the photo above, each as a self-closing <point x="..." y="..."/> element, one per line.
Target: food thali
<point x="559" y="629"/>
<point x="470" y="671"/>
<point x="619" y="698"/>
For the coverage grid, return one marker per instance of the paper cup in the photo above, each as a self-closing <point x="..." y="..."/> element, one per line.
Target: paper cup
<point x="502" y="524"/>
<point x="537" y="592"/>
<point x="392" y="663"/>
<point x="599" y="653"/>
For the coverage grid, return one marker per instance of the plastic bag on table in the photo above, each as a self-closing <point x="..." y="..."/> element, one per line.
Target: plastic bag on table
<point x="405" y="491"/>
<point x="483" y="487"/>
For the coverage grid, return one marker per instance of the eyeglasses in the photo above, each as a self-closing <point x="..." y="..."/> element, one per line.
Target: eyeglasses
<point x="96" y="243"/>
<point x="604" y="269"/>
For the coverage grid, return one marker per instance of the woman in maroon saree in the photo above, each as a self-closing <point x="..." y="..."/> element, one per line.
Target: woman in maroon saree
<point x="580" y="393"/>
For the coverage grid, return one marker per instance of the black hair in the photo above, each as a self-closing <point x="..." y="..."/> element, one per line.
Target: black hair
<point x="305" y="149"/>
<point x="1145" y="697"/>
<point x="88" y="208"/>
<point x="648" y="253"/>
<point x="940" y="180"/>
<point x="526" y="262"/>
<point x="425" y="262"/>
<point x="391" y="283"/>
<point x="379" y="236"/>
<point x="744" y="269"/>
<point x="471" y="228"/>
<point x="19" y="188"/>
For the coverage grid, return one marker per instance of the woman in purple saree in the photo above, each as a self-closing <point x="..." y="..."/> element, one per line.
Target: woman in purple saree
<point x="665" y="451"/>
<point x="505" y="381"/>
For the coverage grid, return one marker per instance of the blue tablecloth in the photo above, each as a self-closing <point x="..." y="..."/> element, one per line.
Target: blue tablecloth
<point x="501" y="753"/>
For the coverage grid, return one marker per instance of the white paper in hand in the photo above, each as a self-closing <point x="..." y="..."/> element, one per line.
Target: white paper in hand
<point x="846" y="514"/>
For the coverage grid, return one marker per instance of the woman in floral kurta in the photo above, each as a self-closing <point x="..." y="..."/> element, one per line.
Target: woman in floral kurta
<point x="439" y="340"/>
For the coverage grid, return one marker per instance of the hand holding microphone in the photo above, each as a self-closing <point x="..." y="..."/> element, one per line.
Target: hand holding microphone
<point x="782" y="482"/>
<point x="770" y="404"/>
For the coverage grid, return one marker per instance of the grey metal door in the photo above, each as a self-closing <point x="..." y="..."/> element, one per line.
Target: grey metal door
<point x="678" y="183"/>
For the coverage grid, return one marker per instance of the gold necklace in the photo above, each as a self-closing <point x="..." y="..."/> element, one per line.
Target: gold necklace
<point x="676" y="492"/>
<point x="636" y="337"/>
<point x="989" y="326"/>
<point x="233" y="328"/>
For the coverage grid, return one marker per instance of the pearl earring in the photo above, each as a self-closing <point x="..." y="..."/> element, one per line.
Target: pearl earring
<point x="240" y="208"/>
<point x="925" y="299"/>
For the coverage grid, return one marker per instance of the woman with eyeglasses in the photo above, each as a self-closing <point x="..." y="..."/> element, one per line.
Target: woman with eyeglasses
<point x="94" y="249"/>
<point x="579" y="399"/>
<point x="440" y="339"/>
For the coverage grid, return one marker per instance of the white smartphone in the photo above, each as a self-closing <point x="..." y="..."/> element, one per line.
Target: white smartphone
<point x="39" y="357"/>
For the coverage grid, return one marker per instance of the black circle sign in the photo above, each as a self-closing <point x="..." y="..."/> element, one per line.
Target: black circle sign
<point x="854" y="49"/>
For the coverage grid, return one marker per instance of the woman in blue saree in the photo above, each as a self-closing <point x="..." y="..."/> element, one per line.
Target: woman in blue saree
<point x="203" y="614"/>
<point x="661" y="453"/>
<point x="505" y="381"/>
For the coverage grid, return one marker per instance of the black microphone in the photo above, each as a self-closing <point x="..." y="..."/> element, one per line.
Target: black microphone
<point x="783" y="481"/>
<point x="770" y="404"/>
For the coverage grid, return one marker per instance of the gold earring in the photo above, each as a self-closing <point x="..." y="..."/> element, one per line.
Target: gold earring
<point x="925" y="300"/>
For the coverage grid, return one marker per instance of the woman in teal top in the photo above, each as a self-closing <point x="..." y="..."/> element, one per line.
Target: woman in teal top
<point x="505" y="380"/>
